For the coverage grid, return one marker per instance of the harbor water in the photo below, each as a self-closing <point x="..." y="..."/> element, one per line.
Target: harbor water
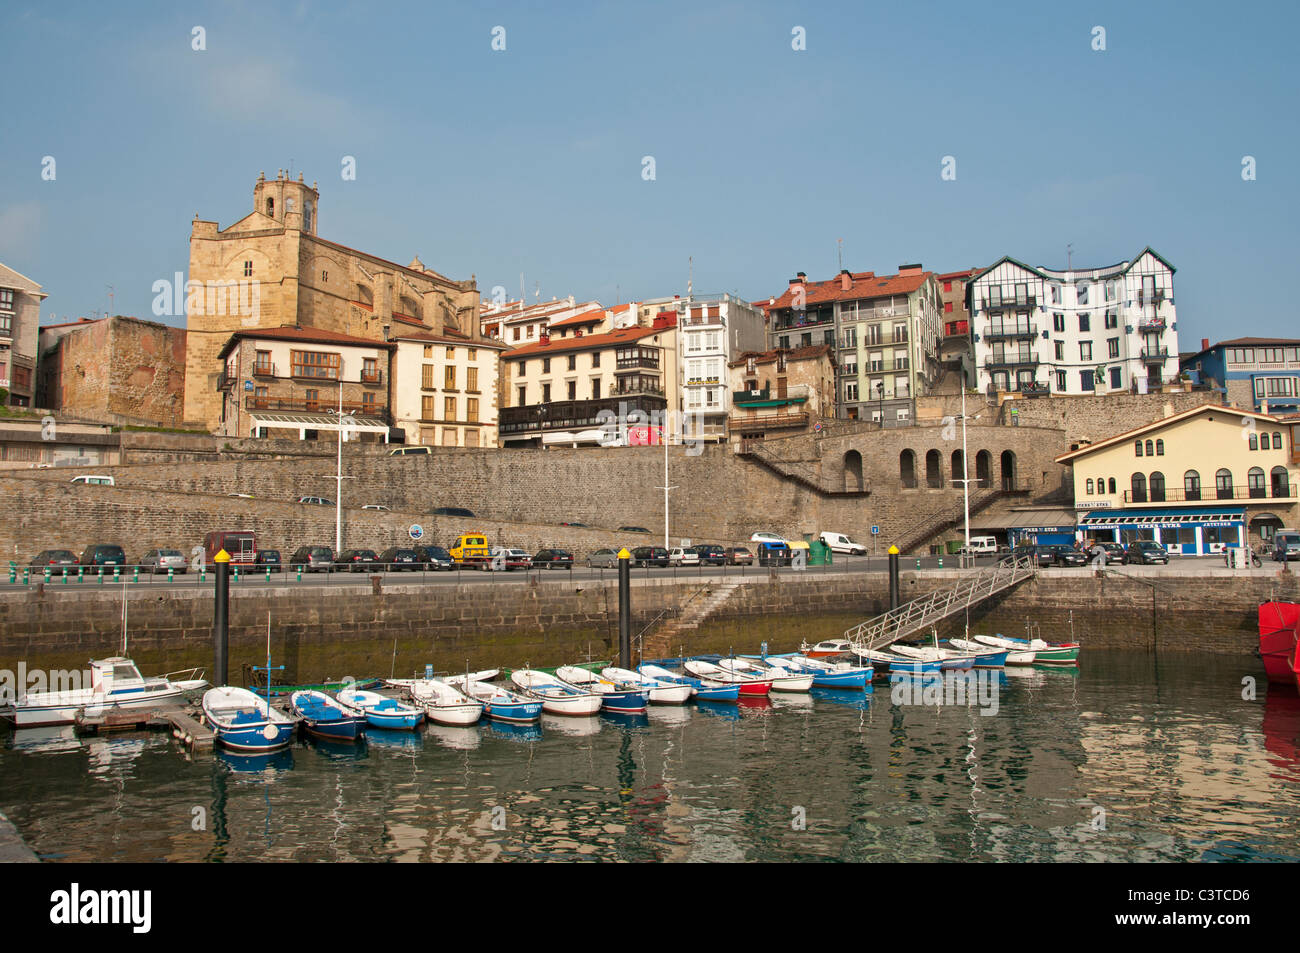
<point x="1131" y="757"/>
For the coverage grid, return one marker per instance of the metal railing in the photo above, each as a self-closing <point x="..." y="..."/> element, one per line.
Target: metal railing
<point x="919" y="614"/>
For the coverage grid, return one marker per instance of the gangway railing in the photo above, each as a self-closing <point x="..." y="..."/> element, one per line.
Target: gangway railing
<point x="919" y="614"/>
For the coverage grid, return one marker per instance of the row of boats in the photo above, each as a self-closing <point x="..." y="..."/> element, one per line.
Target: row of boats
<point x="244" y="720"/>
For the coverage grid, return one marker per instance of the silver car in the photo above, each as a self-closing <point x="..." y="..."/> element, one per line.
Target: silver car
<point x="160" y="560"/>
<point x="603" y="559"/>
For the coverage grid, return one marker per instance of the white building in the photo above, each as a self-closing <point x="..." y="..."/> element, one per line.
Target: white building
<point x="712" y="330"/>
<point x="1081" y="331"/>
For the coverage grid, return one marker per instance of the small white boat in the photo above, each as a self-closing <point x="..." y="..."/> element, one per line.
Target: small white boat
<point x="782" y="680"/>
<point x="114" y="683"/>
<point x="444" y="704"/>
<point x="245" y="721"/>
<point x="947" y="660"/>
<point x="618" y="696"/>
<point x="749" y="684"/>
<point x="661" y="692"/>
<point x="557" y="697"/>
<point x="975" y="648"/>
<point x="499" y="704"/>
<point x="827" y="649"/>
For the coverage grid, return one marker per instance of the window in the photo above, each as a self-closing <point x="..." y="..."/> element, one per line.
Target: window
<point x="1157" y="484"/>
<point x="449" y="377"/>
<point x="1060" y="381"/>
<point x="595" y="359"/>
<point x="1254" y="441"/>
<point x="1223" y="484"/>
<point x="1112" y="289"/>
<point x="312" y="398"/>
<point x="260" y="393"/>
<point x="1150" y="449"/>
<point x="546" y="365"/>
<point x="573" y="390"/>
<point x="1082" y="292"/>
<point x="1160" y="447"/>
<point x="248" y="269"/>
<point x="451" y="352"/>
<point x="1085" y="350"/>
<point x="1060" y="350"/>
<point x="523" y="396"/>
<point x="1255" y="482"/>
<point x="324" y="277"/>
<point x="471" y="379"/>
<point x="368" y="402"/>
<point x="1090" y="486"/>
<point x="449" y="436"/>
<point x="1281" y="482"/>
<point x="1139" y="488"/>
<point x="449" y="408"/>
<point x="516" y="334"/>
<point x="1192" y="485"/>
<point x="1085" y="322"/>
<point x="427" y="408"/>
<point x="595" y="388"/>
<point x="1058" y="322"/>
<point x="473" y="354"/>
<point x="1112" y="347"/>
<point x="1112" y="485"/>
<point x="1277" y="440"/>
<point x="947" y="307"/>
<point x="1112" y="320"/>
<point x="573" y="362"/>
<point x="317" y="364"/>
<point x="1116" y="378"/>
<point x="262" y="363"/>
<point x="471" y="409"/>
<point x="1055" y="291"/>
<point x="1087" y="381"/>
<point x="546" y="393"/>
<point x="1264" y="442"/>
<point x="369" y="370"/>
<point x="428" y="351"/>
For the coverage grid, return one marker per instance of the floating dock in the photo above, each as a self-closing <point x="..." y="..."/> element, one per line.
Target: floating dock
<point x="182" y="723"/>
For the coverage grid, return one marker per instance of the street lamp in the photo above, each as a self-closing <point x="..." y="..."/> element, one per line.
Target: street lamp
<point x="965" y="480"/>
<point x="338" y="476"/>
<point x="880" y="398"/>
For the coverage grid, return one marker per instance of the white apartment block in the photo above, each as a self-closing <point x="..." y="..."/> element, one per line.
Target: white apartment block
<point x="515" y="323"/>
<point x="1080" y="331"/>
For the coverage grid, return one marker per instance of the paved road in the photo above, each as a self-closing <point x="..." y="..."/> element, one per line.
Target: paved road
<point x="1208" y="566"/>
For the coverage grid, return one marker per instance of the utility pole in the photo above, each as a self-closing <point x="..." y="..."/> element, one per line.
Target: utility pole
<point x="663" y="438"/>
<point x="965" y="480"/>
<point x="338" y="476"/>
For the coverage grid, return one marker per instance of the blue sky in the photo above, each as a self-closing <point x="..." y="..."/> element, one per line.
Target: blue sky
<point x="530" y="159"/>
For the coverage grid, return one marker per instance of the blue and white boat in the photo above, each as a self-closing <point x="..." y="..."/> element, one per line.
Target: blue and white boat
<point x="702" y="691"/>
<point x="381" y="711"/>
<point x="986" y="656"/>
<point x="557" y="697"/>
<point x="948" y="660"/>
<point x="825" y="674"/>
<point x="326" y="717"/>
<point x="243" y="721"/>
<point x="889" y="662"/>
<point x="661" y="692"/>
<point x="499" y="704"/>
<point x="620" y="697"/>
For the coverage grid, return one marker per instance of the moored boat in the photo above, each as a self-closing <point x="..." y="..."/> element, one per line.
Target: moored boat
<point x="660" y="692"/>
<point x="703" y="690"/>
<point x="381" y="711"/>
<point x="1008" y="656"/>
<point x="622" y="697"/>
<point x="115" y="683"/>
<point x="444" y="704"/>
<point x="948" y="661"/>
<point x="827" y="649"/>
<point x="499" y="704"/>
<point x="1277" y="639"/>
<point x="326" y="717"/>
<point x="891" y="663"/>
<point x="782" y="680"/>
<point x="1045" y="653"/>
<point x="244" y="721"/>
<point x="825" y="674"/>
<point x="557" y="697"/>
<point x="749" y="685"/>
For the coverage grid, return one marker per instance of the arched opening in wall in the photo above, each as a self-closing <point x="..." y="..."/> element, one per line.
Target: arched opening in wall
<point x="907" y="468"/>
<point x="1008" y="470"/>
<point x="983" y="466"/>
<point x="853" y="471"/>
<point x="958" y="468"/>
<point x="933" y="469"/>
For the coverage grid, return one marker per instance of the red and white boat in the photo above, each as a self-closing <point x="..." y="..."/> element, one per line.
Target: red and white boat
<point x="828" y="649"/>
<point x="710" y="673"/>
<point x="1277" y="640"/>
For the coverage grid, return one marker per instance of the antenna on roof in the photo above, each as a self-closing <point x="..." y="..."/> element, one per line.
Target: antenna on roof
<point x="1069" y="256"/>
<point x="690" y="275"/>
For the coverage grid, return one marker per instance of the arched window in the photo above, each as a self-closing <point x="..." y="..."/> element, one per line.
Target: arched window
<point x="1264" y="443"/>
<point x="1277" y="440"/>
<point x="1008" y="470"/>
<point x="983" y="463"/>
<point x="1223" y="484"/>
<point x="958" y="467"/>
<point x="1160" y="448"/>
<point x="933" y="470"/>
<point x="1139" y="492"/>
<point x="853" y="471"/>
<point x="1149" y="449"/>
<point x="1281" y="482"/>
<point x="1137" y="448"/>
<point x="1255" y="482"/>
<point x="1192" y="485"/>
<point x="907" y="468"/>
<point x="1090" y="486"/>
<point x="1157" y="487"/>
<point x="1112" y="485"/>
<point x="1254" y="441"/>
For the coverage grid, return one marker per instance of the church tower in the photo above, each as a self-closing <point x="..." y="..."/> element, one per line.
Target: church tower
<point x="292" y="204"/>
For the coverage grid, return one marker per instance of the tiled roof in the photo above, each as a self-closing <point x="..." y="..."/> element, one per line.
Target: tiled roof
<point x="863" y="284"/>
<point x="1232" y="412"/>
<point x="587" y="317"/>
<point x="305" y="335"/>
<point x="458" y="339"/>
<point x="588" y="342"/>
<point x="810" y="352"/>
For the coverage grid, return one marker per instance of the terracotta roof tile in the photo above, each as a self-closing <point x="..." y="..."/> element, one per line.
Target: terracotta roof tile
<point x="863" y="284"/>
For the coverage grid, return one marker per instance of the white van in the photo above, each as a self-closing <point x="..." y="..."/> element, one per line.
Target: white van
<point x="839" y="543"/>
<point x="95" y="480"/>
<point x="981" y="546"/>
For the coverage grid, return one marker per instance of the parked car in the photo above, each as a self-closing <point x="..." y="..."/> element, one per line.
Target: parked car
<point x="103" y="554"/>
<point x="583" y="525"/>
<point x="767" y="538"/>
<point x="553" y="559"/>
<point x="435" y="557"/>
<point x="376" y="506"/>
<point x="633" y="529"/>
<point x="711" y="554"/>
<point x="471" y="549"/>
<point x="315" y="501"/>
<point x="54" y="557"/>
<point x="94" y="480"/>
<point x="511" y="557"/>
<point x="240" y="496"/>
<point x="677" y="556"/>
<point x="452" y="511"/>
<point x="839" y="543"/>
<point x="268" y="560"/>
<point x="603" y="559"/>
<point x="650" y="556"/>
<point x="1041" y="554"/>
<point x="356" y="560"/>
<point x="398" y="558"/>
<point x="739" y="556"/>
<point x="1146" y="552"/>
<point x="312" y="559"/>
<point x="411" y="452"/>
<point x="1286" y="545"/>
<point x="1114" y="552"/>
<point x="774" y="553"/>
<point x="160" y="560"/>
<point x="1062" y="555"/>
<point x="981" y="546"/>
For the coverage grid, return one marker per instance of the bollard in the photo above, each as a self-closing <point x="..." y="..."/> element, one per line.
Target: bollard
<point x="101" y="575"/>
<point x="221" y="621"/>
<point x="25" y="571"/>
<point x="13" y="572"/>
<point x="940" y="562"/>
<point x="236" y="574"/>
<point x="918" y="563"/>
<point x="625" y="608"/>
<point x="171" y="574"/>
<point x="81" y="573"/>
<point x="65" y="575"/>
<point x="268" y="573"/>
<point x="47" y="573"/>
<point x="300" y="574"/>
<point x="893" y="578"/>
<point x="135" y="575"/>
<point x="117" y="573"/>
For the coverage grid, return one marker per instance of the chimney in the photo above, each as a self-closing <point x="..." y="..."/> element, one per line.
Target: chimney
<point x="1205" y="344"/>
<point x="577" y="332"/>
<point x="545" y="337"/>
<point x="846" y="280"/>
<point x="914" y="269"/>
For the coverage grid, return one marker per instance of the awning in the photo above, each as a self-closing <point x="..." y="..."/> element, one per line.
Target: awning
<point x="1265" y="517"/>
<point x="1042" y="520"/>
<point x="572" y="438"/>
<point x="328" y="422"/>
<point x="1164" y="519"/>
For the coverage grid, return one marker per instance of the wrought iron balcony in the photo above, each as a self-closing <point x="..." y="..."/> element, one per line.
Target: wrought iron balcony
<point x="301" y="405"/>
<point x="1003" y="332"/>
<point x="1155" y="353"/>
<point x="1026" y="304"/>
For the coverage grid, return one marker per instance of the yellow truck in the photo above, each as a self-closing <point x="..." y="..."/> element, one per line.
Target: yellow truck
<point x="471" y="549"/>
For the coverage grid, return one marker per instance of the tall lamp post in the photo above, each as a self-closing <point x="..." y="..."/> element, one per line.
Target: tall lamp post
<point x="965" y="480"/>
<point x="338" y="477"/>
<point x="880" y="402"/>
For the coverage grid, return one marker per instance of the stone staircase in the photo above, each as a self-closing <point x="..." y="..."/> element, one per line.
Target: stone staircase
<point x="804" y="473"/>
<point x="661" y="636"/>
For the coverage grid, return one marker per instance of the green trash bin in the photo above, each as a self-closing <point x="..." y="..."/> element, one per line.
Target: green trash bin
<point x="819" y="554"/>
<point x="954" y="546"/>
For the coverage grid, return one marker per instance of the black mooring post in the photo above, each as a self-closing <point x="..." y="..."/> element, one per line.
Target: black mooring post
<point x="624" y="608"/>
<point x="893" y="577"/>
<point x="221" y="620"/>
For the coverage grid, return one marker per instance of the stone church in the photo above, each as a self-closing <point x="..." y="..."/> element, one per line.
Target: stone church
<point x="270" y="270"/>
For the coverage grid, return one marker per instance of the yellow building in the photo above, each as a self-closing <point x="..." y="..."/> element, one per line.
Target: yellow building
<point x="1196" y="482"/>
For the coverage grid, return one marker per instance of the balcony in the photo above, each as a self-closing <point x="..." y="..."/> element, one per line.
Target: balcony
<point x="1010" y="360"/>
<point x="1155" y="297"/>
<point x="225" y="381"/>
<point x="704" y="320"/>
<point x="795" y="393"/>
<point x="956" y="329"/>
<point x="751" y="422"/>
<point x="1004" y="332"/>
<point x="374" y="376"/>
<point x="575" y="414"/>
<point x="802" y="321"/>
<point x="1026" y="304"/>
<point x="881" y="367"/>
<point x="1277" y="491"/>
<point x="628" y="386"/>
<point x="301" y="405"/>
<point x="261" y="369"/>
<point x="1151" y="325"/>
<point x="646" y="361"/>
<point x="1155" y="353"/>
<point x="315" y="372"/>
<point x="1033" y="389"/>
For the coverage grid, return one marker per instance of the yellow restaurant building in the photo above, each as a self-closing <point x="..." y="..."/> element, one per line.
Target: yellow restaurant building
<point x="1196" y="482"/>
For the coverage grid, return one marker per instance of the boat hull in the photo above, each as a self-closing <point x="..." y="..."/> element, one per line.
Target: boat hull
<point x="1277" y="639"/>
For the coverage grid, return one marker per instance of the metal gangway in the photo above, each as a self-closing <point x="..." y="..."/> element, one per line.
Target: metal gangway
<point x="920" y="614"/>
